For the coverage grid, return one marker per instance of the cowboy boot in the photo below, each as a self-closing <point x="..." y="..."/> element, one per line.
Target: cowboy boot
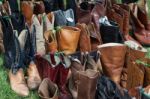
<point x="34" y="26"/>
<point x="113" y="62"/>
<point x="84" y="37"/>
<point x="126" y="11"/>
<point x="107" y="35"/>
<point x="147" y="72"/>
<point x="64" y="94"/>
<point x="34" y="79"/>
<point x="18" y="84"/>
<point x="141" y="34"/>
<point x="68" y="38"/>
<point x="48" y="90"/>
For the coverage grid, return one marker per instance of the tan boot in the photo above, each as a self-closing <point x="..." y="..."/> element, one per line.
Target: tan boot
<point x="18" y="84"/>
<point x="34" y="79"/>
<point x="112" y="58"/>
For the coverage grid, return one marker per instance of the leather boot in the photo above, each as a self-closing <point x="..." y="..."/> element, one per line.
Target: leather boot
<point x="18" y="84"/>
<point x="147" y="74"/>
<point x="140" y="32"/>
<point x="51" y="42"/>
<point x="126" y="11"/>
<point x="34" y="79"/>
<point x="80" y="75"/>
<point x="68" y="38"/>
<point x="135" y="72"/>
<point x="113" y="62"/>
<point x="111" y="33"/>
<point x="116" y="16"/>
<point x="48" y="90"/>
<point x="63" y="74"/>
<point x="84" y="37"/>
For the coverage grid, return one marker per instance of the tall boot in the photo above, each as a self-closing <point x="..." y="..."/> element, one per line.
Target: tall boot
<point x="48" y="89"/>
<point x="135" y="72"/>
<point x="18" y="84"/>
<point x="63" y="74"/>
<point x="140" y="32"/>
<point x="112" y="58"/>
<point x="34" y="79"/>
<point x="68" y="38"/>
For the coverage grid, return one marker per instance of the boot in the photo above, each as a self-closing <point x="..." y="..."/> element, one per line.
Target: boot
<point x="111" y="33"/>
<point x="113" y="62"/>
<point x="68" y="38"/>
<point x="18" y="84"/>
<point x="34" y="79"/>
<point x="63" y="74"/>
<point x="84" y="37"/>
<point x="48" y="90"/>
<point x="134" y="53"/>
<point x="51" y="42"/>
<point x="2" y="50"/>
<point x="140" y="32"/>
<point x="126" y="11"/>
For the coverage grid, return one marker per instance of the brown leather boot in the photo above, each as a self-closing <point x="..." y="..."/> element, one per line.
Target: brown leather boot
<point x="18" y="84"/>
<point x="135" y="72"/>
<point x="141" y="31"/>
<point x="68" y="38"/>
<point x="112" y="58"/>
<point x="51" y="42"/>
<point x="84" y="37"/>
<point x="34" y="79"/>
<point x="48" y="90"/>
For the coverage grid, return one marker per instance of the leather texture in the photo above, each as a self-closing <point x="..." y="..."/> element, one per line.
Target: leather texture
<point x="34" y="79"/>
<point x="48" y="89"/>
<point x="18" y="84"/>
<point x="111" y="33"/>
<point x="84" y="37"/>
<point x="113" y="66"/>
<point x="68" y="38"/>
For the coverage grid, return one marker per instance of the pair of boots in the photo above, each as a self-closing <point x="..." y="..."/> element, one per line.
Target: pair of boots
<point x="55" y="67"/>
<point x="18" y="82"/>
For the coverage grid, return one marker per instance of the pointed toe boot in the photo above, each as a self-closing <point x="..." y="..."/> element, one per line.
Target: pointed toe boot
<point x="34" y="79"/>
<point x="18" y="84"/>
<point x="48" y="90"/>
<point x="113" y="58"/>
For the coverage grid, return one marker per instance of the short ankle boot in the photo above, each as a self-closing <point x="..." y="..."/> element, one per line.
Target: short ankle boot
<point x="113" y="62"/>
<point x="48" y="89"/>
<point x="34" y="79"/>
<point x="18" y="83"/>
<point x="68" y="38"/>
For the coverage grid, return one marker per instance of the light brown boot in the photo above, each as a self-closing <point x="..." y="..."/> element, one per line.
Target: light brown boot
<point x="18" y="84"/>
<point x="34" y="79"/>
<point x="112" y="58"/>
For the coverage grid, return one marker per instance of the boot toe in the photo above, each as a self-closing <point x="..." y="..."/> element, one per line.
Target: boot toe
<point x="21" y="90"/>
<point x="33" y="84"/>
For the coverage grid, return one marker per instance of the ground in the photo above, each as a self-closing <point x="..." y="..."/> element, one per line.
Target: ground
<point x="5" y="90"/>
